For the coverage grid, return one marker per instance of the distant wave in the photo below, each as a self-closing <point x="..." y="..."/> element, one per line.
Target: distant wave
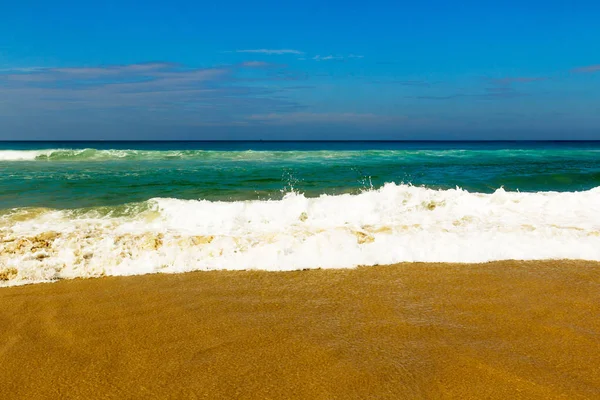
<point x="392" y="224"/>
<point x="91" y="154"/>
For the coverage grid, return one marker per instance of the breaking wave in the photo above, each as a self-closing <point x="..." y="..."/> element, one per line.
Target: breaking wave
<point x="394" y="223"/>
<point x="91" y="154"/>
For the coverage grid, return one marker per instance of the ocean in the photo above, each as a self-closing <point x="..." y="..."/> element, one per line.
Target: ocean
<point x="88" y="209"/>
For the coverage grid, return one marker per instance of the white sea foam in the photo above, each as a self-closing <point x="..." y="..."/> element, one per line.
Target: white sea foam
<point x="392" y="224"/>
<point x="22" y="155"/>
<point x="62" y="154"/>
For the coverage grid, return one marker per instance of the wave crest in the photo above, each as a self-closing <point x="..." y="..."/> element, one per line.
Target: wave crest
<point x="91" y="154"/>
<point x="392" y="224"/>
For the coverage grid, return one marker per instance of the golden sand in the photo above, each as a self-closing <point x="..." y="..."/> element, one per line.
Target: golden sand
<point x="505" y="330"/>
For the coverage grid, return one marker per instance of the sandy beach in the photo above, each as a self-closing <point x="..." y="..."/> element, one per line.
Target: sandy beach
<point x="496" y="330"/>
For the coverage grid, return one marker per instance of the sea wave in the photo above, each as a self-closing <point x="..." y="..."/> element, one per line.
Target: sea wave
<point x="91" y="154"/>
<point x="394" y="223"/>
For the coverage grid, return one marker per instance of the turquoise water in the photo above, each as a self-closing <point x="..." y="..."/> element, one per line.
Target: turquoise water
<point x="90" y="174"/>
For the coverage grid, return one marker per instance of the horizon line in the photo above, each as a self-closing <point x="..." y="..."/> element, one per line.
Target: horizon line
<point x="298" y="140"/>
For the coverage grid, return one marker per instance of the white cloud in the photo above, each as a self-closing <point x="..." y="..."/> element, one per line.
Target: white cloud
<point x="334" y="58"/>
<point x="327" y="58"/>
<point x="271" y="51"/>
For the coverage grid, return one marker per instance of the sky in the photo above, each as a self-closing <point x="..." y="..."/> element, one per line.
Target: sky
<point x="277" y="70"/>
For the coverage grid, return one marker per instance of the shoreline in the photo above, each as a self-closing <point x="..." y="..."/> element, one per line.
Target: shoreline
<point x="524" y="329"/>
<point x="509" y="262"/>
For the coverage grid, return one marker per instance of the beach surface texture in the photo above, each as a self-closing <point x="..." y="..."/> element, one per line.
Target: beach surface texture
<point x="500" y="330"/>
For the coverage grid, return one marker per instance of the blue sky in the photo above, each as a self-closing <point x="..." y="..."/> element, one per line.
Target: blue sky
<point x="301" y="70"/>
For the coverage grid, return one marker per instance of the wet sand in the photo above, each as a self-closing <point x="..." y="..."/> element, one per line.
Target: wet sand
<point x="498" y="330"/>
